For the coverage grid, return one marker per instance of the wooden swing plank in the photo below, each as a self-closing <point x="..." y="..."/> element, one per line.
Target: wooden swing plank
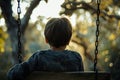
<point x="68" y="76"/>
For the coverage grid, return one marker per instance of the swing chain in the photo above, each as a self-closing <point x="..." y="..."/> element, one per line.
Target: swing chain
<point x="97" y="36"/>
<point x="19" y="33"/>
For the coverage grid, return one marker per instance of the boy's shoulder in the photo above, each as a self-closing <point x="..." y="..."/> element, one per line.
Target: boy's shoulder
<point x="45" y="52"/>
<point x="40" y="52"/>
<point x="72" y="51"/>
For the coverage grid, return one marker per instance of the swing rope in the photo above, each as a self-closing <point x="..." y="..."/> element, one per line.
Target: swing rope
<point x="97" y="39"/>
<point x="19" y="33"/>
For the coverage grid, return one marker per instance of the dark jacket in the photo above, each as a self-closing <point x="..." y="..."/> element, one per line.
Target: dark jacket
<point x="47" y="60"/>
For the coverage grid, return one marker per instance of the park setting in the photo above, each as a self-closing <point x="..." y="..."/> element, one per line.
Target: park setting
<point x="95" y="35"/>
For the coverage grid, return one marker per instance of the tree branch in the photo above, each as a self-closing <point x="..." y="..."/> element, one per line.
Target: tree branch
<point x="28" y="13"/>
<point x="6" y="8"/>
<point x="83" y="5"/>
<point x="85" y="46"/>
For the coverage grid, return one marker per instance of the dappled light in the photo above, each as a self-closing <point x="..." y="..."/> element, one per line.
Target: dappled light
<point x="3" y="37"/>
<point x="82" y="15"/>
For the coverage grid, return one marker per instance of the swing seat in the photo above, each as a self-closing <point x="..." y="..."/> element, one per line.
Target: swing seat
<point x="69" y="76"/>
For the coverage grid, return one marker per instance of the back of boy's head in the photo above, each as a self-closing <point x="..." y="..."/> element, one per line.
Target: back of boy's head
<point x="58" y="32"/>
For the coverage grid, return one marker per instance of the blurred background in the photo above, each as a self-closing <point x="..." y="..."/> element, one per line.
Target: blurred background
<point x="81" y="13"/>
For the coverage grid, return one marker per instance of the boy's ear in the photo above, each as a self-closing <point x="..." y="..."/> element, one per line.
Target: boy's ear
<point x="46" y="40"/>
<point x="68" y="42"/>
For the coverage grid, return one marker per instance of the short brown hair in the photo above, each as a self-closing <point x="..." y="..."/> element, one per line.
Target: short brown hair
<point x="58" y="31"/>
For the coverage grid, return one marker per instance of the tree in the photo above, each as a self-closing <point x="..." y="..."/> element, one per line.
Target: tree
<point x="83" y="33"/>
<point x="109" y="31"/>
<point x="11" y="22"/>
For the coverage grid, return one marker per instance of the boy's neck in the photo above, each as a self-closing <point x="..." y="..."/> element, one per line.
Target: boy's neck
<point x="58" y="49"/>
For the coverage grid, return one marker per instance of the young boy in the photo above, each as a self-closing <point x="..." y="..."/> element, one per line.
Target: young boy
<point x="58" y="32"/>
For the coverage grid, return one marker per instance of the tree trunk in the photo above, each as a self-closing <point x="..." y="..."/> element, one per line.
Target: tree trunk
<point x="11" y="24"/>
<point x="14" y="43"/>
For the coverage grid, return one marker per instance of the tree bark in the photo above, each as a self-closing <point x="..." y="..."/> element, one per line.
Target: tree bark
<point x="11" y="24"/>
